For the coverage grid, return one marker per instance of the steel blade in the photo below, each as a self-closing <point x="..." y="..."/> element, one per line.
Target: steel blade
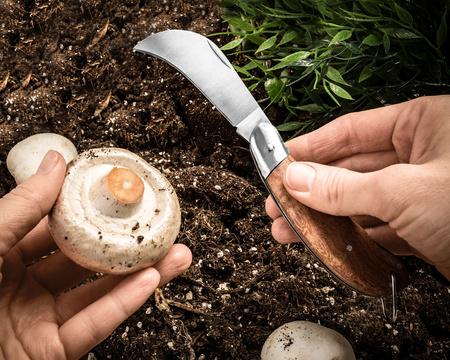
<point x="204" y="64"/>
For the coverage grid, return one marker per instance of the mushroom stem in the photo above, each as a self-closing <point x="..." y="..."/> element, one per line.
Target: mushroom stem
<point x="125" y="185"/>
<point x="118" y="194"/>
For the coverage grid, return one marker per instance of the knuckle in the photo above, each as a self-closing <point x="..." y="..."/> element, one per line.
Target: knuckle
<point x="30" y="199"/>
<point x="334" y="190"/>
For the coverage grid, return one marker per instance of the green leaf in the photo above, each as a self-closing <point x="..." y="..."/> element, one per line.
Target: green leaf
<point x="335" y="75"/>
<point x="314" y="95"/>
<point x="365" y="73"/>
<point x="253" y="87"/>
<point x="274" y="88"/>
<point x="255" y="39"/>
<point x="372" y="40"/>
<point x="311" y="108"/>
<point x="341" y="36"/>
<point x="250" y="66"/>
<point x="268" y="25"/>
<point x="289" y="126"/>
<point x="353" y="48"/>
<point x="330" y="94"/>
<point x="258" y="64"/>
<point x="403" y="14"/>
<point x="280" y="65"/>
<point x="370" y="7"/>
<point x="242" y="70"/>
<point x="270" y="42"/>
<point x="232" y="44"/>
<point x="293" y="5"/>
<point x="339" y="91"/>
<point x="386" y="43"/>
<point x="288" y="37"/>
<point x="325" y="54"/>
<point x="308" y="38"/>
<point x="400" y="33"/>
<point x="324" y="10"/>
<point x="299" y="55"/>
<point x="442" y="31"/>
<point x="227" y="3"/>
<point x="240" y="24"/>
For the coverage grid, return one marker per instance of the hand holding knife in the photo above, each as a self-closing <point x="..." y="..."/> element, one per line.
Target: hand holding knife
<point x="338" y="243"/>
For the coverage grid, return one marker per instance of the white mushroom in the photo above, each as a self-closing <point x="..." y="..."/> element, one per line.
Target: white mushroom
<point x="115" y="213"/>
<point x="304" y="340"/>
<point x="24" y="158"/>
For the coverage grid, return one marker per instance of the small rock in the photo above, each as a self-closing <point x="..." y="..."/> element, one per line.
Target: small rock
<point x="304" y="340"/>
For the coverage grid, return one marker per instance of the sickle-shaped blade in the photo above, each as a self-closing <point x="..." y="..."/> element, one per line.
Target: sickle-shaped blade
<point x="194" y="56"/>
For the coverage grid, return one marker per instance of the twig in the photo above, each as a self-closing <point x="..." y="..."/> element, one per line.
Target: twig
<point x="186" y="307"/>
<point x="196" y="338"/>
<point x="164" y="304"/>
<point x="4" y="82"/>
<point x="27" y="80"/>
<point x="103" y="105"/>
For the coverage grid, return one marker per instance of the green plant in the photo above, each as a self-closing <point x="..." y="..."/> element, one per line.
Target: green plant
<point x="331" y="57"/>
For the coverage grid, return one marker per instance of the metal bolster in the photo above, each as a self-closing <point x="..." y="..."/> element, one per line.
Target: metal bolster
<point x="247" y="125"/>
<point x="267" y="147"/>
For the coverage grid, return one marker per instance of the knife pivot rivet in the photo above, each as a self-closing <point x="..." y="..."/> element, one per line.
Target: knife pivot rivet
<point x="349" y="248"/>
<point x="270" y="147"/>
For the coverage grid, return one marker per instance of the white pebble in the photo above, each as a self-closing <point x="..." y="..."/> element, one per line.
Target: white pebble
<point x="304" y="340"/>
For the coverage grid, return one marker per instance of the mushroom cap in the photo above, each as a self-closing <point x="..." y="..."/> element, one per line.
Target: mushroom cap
<point x="304" y="340"/>
<point x="121" y="244"/>
<point x="24" y="158"/>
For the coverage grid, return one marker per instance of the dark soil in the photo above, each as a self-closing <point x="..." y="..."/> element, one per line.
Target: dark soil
<point x="68" y="67"/>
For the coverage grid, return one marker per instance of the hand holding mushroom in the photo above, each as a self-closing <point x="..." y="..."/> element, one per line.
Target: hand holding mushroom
<point x="390" y="163"/>
<point x="40" y="318"/>
<point x="114" y="214"/>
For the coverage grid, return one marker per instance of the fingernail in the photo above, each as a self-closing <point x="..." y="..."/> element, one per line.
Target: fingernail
<point x="300" y="177"/>
<point x="48" y="162"/>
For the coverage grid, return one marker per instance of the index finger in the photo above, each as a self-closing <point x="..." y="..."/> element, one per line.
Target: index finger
<point x="354" y="133"/>
<point x="272" y="208"/>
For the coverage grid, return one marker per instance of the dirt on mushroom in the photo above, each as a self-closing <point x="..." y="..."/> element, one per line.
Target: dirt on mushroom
<point x="69" y="68"/>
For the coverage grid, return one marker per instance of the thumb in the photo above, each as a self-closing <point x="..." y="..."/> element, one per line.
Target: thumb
<point x="333" y="190"/>
<point x="24" y="207"/>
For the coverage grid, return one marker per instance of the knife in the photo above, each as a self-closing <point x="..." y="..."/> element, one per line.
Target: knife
<point x="338" y="243"/>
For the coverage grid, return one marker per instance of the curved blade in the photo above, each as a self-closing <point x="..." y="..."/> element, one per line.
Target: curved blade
<point x="204" y="64"/>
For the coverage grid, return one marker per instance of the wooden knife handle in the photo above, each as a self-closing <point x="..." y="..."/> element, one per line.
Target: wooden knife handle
<point x="341" y="245"/>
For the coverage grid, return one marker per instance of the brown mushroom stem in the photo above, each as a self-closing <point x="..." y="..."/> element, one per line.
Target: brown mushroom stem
<point x="118" y="194"/>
